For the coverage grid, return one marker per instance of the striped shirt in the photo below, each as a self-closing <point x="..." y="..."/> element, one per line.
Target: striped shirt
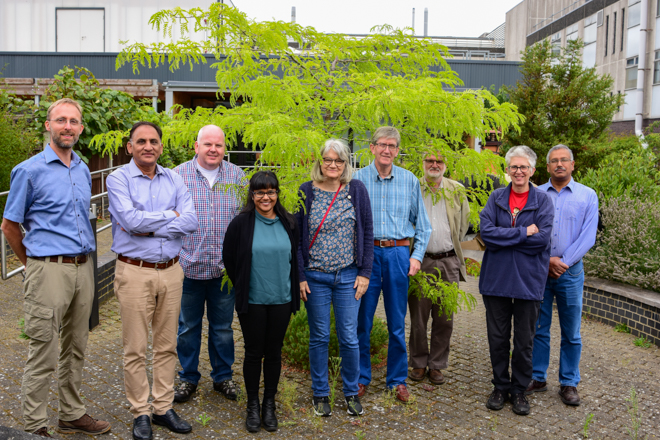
<point x="576" y="221"/>
<point x="201" y="255"/>
<point x="397" y="206"/>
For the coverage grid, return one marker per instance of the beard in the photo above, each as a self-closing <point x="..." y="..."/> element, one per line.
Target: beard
<point x="56" y="138"/>
<point x="432" y="175"/>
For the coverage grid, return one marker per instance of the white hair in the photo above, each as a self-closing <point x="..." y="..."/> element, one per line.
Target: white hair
<point x="521" y="151"/>
<point x="339" y="147"/>
<point x="558" y="147"/>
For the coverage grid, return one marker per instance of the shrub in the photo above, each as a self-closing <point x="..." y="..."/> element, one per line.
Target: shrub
<point x="628" y="248"/>
<point x="296" y="341"/>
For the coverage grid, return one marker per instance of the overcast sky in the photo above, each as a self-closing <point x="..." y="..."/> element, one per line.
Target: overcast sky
<point x="466" y="18"/>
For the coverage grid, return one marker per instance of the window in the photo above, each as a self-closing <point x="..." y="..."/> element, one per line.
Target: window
<point x="572" y="32"/>
<point x="614" y="34"/>
<point x="607" y="32"/>
<point x="634" y="12"/>
<point x="555" y="42"/>
<point x="590" y="29"/>
<point x="623" y="27"/>
<point x="631" y="73"/>
<point x="589" y="51"/>
<point x="656" y="68"/>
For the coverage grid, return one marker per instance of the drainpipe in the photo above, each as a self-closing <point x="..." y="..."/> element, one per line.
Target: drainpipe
<point x="293" y="14"/>
<point x="643" y="31"/>
<point x="426" y="22"/>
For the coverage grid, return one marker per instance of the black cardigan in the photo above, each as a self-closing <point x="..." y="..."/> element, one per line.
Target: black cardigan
<point x="237" y="256"/>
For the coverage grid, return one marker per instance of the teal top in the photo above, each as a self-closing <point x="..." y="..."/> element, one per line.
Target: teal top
<point x="270" y="275"/>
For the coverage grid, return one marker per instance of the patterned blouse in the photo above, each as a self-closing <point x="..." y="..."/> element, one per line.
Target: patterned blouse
<point x="334" y="247"/>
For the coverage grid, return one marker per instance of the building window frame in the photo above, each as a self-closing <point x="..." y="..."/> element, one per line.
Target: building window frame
<point x="632" y="67"/>
<point x="614" y="33"/>
<point x="623" y="27"/>
<point x="607" y="32"/>
<point x="656" y="67"/>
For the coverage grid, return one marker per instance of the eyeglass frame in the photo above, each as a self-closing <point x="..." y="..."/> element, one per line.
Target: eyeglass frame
<point x="434" y="161"/>
<point x="382" y="147"/>
<point x="521" y="168"/>
<point x="562" y="160"/>
<point x="256" y="195"/>
<point x="327" y="162"/>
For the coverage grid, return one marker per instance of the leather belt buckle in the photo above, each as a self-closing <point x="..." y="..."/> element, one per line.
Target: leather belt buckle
<point x="383" y="243"/>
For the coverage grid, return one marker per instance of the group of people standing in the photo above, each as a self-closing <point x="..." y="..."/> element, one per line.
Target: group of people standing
<point x="358" y="234"/>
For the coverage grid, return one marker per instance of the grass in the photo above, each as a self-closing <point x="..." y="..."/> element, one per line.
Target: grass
<point x="21" y="327"/>
<point x="334" y="370"/>
<point x="635" y="416"/>
<point x="493" y="423"/>
<point x="288" y="395"/>
<point x="585" y="427"/>
<point x="642" y="342"/>
<point x="622" y="328"/>
<point x="204" y="419"/>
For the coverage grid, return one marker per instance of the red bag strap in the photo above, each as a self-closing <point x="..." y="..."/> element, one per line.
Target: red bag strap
<point x="326" y="214"/>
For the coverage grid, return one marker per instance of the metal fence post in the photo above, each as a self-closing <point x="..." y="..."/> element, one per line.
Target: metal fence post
<point x="94" y="317"/>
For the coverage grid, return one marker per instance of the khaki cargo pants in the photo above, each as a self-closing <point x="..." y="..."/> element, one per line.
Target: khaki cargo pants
<point x="58" y="302"/>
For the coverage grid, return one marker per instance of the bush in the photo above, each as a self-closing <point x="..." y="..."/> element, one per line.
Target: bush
<point x="296" y="341"/>
<point x="628" y="248"/>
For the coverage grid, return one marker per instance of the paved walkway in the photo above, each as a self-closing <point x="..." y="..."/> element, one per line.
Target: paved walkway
<point x="611" y="366"/>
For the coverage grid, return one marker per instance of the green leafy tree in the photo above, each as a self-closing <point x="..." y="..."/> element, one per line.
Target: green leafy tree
<point x="562" y="102"/>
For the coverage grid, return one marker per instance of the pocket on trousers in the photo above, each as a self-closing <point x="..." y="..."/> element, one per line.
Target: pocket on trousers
<point x="38" y="322"/>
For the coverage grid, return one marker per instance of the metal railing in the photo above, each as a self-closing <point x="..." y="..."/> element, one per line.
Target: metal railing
<point x="557" y="15"/>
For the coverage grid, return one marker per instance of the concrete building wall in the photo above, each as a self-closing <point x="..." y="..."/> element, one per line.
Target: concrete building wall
<point x="614" y="50"/>
<point x="39" y="25"/>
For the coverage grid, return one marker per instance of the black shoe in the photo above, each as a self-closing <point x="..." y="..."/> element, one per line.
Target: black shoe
<point x="353" y="406"/>
<point x="322" y="406"/>
<point x="520" y="404"/>
<point x="252" y="421"/>
<point x="172" y="421"/>
<point x="268" y="418"/>
<point x="142" y="428"/>
<point x="497" y="399"/>
<point x="184" y="391"/>
<point x="227" y="388"/>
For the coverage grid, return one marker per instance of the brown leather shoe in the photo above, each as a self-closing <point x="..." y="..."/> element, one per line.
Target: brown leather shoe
<point x="536" y="387"/>
<point x="569" y="395"/>
<point x="417" y="374"/>
<point x="362" y="390"/>
<point x="85" y="424"/>
<point x="42" y="432"/>
<point x="436" y="377"/>
<point x="402" y="393"/>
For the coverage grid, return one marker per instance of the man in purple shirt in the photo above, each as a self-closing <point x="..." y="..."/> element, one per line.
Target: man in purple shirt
<point x="573" y="234"/>
<point x="214" y="185"/>
<point x="151" y="211"/>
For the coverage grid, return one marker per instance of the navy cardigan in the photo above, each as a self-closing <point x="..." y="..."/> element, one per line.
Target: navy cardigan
<point x="515" y="265"/>
<point x="364" y="254"/>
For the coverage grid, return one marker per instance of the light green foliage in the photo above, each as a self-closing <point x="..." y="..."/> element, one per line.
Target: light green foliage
<point x="642" y="342"/>
<point x="635" y="416"/>
<point x="562" y="102"/>
<point x="359" y="434"/>
<point x="21" y="327"/>
<point x="288" y="393"/>
<point x="447" y="296"/>
<point x="622" y="328"/>
<point x="204" y="419"/>
<point x="287" y="102"/>
<point x="334" y="370"/>
<point x="585" y="427"/>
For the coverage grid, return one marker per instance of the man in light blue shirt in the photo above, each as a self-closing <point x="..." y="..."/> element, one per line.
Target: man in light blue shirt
<point x="398" y="214"/>
<point x="50" y="195"/>
<point x="573" y="234"/>
<point x="151" y="211"/>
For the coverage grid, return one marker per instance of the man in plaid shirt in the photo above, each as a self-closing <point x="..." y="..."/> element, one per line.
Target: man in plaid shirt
<point x="211" y="182"/>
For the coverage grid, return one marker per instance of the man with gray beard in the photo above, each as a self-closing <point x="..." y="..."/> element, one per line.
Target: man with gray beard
<point x="448" y="210"/>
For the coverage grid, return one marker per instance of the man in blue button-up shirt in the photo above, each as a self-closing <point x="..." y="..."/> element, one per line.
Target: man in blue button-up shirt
<point x="50" y="195"/>
<point x="151" y="211"/>
<point x="573" y="234"/>
<point x="398" y="214"/>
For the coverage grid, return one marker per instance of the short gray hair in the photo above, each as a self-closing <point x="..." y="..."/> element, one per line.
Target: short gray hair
<point x="558" y="147"/>
<point x="339" y="147"/>
<point x="387" y="133"/>
<point x="521" y="151"/>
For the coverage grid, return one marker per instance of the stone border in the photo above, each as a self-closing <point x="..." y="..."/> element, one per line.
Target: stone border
<point x="613" y="303"/>
<point x="105" y="268"/>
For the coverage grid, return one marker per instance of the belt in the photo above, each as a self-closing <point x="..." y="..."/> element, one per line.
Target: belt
<point x="77" y="260"/>
<point x="440" y="255"/>
<point x="392" y="243"/>
<point x="141" y="263"/>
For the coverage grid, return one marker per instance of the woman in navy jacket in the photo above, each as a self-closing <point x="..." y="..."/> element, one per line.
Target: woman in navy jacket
<point x="516" y="225"/>
<point x="336" y="253"/>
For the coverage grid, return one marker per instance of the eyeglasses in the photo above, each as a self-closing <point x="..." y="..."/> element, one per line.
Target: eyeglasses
<point x="261" y="194"/>
<point x="63" y="121"/>
<point x="327" y="162"/>
<point x="562" y="160"/>
<point x="381" y="146"/>
<point x="522" y="168"/>
<point x="431" y="161"/>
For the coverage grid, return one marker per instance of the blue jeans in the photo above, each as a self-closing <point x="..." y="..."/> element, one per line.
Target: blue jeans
<point x="567" y="289"/>
<point x="336" y="289"/>
<point x="389" y="274"/>
<point x="220" y="313"/>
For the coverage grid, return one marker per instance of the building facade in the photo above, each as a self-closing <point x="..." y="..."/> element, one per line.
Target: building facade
<point x="621" y="38"/>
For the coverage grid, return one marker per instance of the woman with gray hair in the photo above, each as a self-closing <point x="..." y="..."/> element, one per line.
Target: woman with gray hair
<point x="516" y="225"/>
<point x="335" y="257"/>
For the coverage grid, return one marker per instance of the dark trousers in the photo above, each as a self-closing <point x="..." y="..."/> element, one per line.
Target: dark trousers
<point x="499" y="311"/>
<point x="264" y="327"/>
<point x="441" y="327"/>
